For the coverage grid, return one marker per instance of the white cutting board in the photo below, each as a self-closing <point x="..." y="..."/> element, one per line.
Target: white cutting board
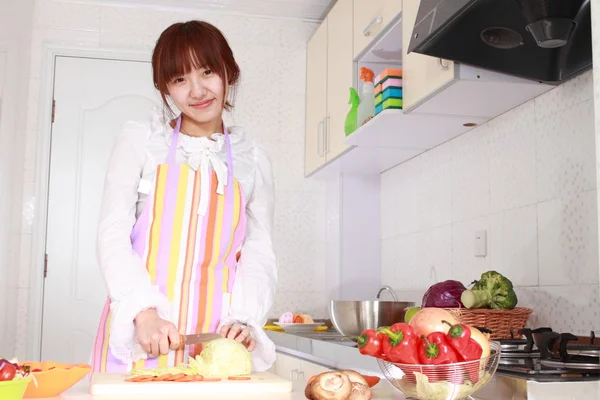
<point x="261" y="382"/>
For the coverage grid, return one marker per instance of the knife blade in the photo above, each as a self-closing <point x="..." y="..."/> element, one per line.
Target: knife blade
<point x="198" y="338"/>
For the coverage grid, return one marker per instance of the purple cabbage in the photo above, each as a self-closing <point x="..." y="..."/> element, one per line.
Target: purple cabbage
<point x="444" y="295"/>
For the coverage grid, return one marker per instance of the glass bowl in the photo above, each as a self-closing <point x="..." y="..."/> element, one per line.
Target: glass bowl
<point x="445" y="381"/>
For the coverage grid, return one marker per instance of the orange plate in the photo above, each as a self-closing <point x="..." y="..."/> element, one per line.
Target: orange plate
<point x="54" y="378"/>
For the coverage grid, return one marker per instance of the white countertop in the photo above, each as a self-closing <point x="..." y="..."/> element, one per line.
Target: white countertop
<point x="383" y="390"/>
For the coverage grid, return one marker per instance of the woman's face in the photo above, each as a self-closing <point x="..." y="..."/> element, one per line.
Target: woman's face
<point x="198" y="94"/>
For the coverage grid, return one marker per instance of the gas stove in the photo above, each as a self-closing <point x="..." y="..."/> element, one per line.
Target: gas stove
<point x="543" y="355"/>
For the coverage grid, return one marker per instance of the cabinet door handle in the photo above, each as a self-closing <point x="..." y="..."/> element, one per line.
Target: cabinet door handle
<point x="301" y="375"/>
<point x="326" y="145"/>
<point x="294" y="375"/>
<point x="442" y="66"/>
<point x="376" y="21"/>
<point x="320" y="151"/>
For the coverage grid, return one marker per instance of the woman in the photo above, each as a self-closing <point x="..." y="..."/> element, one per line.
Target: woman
<point x="184" y="238"/>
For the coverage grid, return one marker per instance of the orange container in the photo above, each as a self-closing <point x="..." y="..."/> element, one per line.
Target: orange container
<point x="53" y="378"/>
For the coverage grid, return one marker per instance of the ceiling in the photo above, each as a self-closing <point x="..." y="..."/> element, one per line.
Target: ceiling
<point x="314" y="10"/>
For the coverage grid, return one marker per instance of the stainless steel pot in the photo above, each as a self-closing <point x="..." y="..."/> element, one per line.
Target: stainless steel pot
<point x="351" y="318"/>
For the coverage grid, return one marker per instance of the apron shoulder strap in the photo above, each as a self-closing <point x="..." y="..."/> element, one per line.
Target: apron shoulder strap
<point x="174" y="140"/>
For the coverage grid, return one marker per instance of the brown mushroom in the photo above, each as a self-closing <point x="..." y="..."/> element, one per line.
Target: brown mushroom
<point x="360" y="392"/>
<point x="308" y="390"/>
<point x="331" y="386"/>
<point x="355" y="377"/>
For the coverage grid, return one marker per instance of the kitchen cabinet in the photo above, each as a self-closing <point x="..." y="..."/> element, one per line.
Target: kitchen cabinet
<point x="296" y="370"/>
<point x="370" y="18"/>
<point x="329" y="79"/>
<point x="441" y="87"/>
<point x="422" y="75"/>
<point x="316" y="99"/>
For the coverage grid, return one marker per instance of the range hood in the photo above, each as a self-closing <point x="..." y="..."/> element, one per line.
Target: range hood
<point x="543" y="40"/>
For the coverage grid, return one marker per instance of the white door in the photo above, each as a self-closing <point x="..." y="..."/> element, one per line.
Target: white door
<point x="93" y="99"/>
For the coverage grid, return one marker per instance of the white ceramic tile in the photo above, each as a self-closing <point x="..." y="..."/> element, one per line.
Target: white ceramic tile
<point x="33" y="107"/>
<point x="512" y="159"/>
<point x="437" y="254"/>
<point x="471" y="174"/>
<point x="134" y="21"/>
<point x="288" y="168"/>
<point x="302" y="266"/>
<point x="465" y="266"/>
<point x="291" y="110"/>
<point x="308" y="302"/>
<point x="21" y="323"/>
<point x="566" y="152"/>
<point x="573" y="91"/>
<point x="16" y="217"/>
<point x="403" y="183"/>
<point x="30" y="159"/>
<point x="252" y="31"/>
<point x="296" y="35"/>
<point x="51" y="14"/>
<point x="568" y="240"/>
<point x="416" y="261"/>
<point x="28" y="213"/>
<point x="389" y="204"/>
<point x="10" y="274"/>
<point x="260" y="74"/>
<point x="574" y="309"/>
<point x="513" y="245"/>
<point x="529" y="297"/>
<point x="25" y="261"/>
<point x="292" y="69"/>
<point x="296" y="217"/>
<point x="436" y="187"/>
<point x="10" y="327"/>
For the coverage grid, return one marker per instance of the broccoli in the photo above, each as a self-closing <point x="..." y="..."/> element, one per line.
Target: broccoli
<point x="492" y="290"/>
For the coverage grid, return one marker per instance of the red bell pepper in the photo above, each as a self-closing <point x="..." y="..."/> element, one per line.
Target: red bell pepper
<point x="400" y="343"/>
<point x="460" y="339"/>
<point x="369" y="343"/>
<point x="435" y="349"/>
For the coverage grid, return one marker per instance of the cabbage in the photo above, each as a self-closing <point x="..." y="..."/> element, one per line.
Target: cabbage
<point x="444" y="295"/>
<point x="441" y="390"/>
<point x="222" y="357"/>
<point x="219" y="358"/>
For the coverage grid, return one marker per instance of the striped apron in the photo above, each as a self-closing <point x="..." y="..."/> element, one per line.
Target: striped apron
<point x="190" y="246"/>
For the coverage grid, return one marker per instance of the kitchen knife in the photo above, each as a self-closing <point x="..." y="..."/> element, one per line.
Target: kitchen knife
<point x="198" y="338"/>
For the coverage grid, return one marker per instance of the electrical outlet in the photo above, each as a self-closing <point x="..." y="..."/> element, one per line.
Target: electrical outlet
<point x="480" y="243"/>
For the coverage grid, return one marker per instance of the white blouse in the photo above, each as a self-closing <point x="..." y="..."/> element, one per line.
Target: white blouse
<point x="138" y="150"/>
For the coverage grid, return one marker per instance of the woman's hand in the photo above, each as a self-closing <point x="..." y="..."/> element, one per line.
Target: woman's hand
<point x="154" y="334"/>
<point x="240" y="334"/>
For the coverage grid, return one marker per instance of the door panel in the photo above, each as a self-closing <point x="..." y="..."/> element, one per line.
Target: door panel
<point x="316" y="99"/>
<point x="93" y="99"/>
<point x="421" y="75"/>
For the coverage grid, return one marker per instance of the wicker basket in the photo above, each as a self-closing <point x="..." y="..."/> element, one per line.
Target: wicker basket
<point x="498" y="321"/>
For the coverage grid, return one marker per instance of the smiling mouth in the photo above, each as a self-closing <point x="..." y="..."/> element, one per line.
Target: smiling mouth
<point x="203" y="104"/>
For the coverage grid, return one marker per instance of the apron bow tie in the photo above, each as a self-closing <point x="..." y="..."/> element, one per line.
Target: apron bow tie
<point x="203" y="160"/>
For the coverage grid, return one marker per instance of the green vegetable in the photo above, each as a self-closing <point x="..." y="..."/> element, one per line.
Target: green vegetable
<point x="492" y="290"/>
<point x="222" y="357"/>
<point x="441" y="390"/>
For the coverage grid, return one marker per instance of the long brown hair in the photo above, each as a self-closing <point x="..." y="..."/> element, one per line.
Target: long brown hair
<point x="189" y="45"/>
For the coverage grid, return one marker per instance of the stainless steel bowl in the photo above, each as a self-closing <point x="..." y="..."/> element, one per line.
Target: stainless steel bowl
<point x="351" y="318"/>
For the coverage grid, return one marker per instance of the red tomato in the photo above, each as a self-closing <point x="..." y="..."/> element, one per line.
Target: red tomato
<point x="7" y="371"/>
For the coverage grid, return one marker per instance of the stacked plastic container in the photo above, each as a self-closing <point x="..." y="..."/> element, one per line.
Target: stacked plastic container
<point x="388" y="90"/>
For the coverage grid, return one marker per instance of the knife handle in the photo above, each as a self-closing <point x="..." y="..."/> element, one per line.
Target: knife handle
<point x="181" y="341"/>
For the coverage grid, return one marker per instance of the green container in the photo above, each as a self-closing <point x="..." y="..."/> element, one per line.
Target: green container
<point x="13" y="390"/>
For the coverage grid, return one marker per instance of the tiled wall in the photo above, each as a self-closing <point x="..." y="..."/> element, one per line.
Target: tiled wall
<point x="15" y="36"/>
<point x="270" y="104"/>
<point x="528" y="178"/>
